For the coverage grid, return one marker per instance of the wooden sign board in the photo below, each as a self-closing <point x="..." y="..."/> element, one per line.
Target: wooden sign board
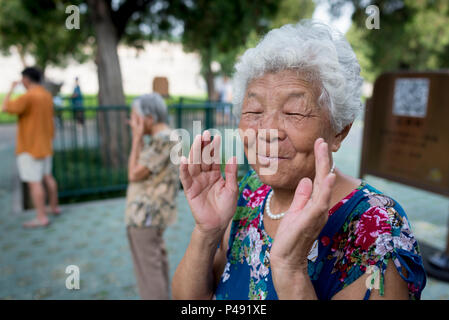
<point x="160" y="85"/>
<point x="406" y="131"/>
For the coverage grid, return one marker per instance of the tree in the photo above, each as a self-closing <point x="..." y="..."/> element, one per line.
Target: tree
<point x="291" y="11"/>
<point x="112" y="22"/>
<point x="221" y="27"/>
<point x="412" y="34"/>
<point x="36" y="29"/>
<point x="220" y="30"/>
<point x="115" y="21"/>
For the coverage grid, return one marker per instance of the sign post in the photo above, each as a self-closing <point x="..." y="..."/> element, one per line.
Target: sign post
<point x="160" y="85"/>
<point x="406" y="134"/>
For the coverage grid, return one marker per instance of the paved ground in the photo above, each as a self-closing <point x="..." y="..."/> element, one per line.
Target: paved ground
<point x="92" y="236"/>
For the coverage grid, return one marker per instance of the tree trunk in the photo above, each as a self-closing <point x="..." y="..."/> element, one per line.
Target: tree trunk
<point x="208" y="74"/>
<point x="113" y="130"/>
<point x="21" y="55"/>
<point x="211" y="94"/>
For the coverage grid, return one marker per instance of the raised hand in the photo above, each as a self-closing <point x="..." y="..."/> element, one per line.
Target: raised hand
<point x="14" y="84"/>
<point x="137" y="125"/>
<point x="212" y="199"/>
<point x="306" y="216"/>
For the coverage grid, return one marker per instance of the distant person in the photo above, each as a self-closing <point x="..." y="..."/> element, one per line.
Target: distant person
<point x="34" y="142"/>
<point x="224" y="115"/>
<point x="225" y="93"/>
<point x="151" y="195"/>
<point x="58" y="102"/>
<point x="78" y="102"/>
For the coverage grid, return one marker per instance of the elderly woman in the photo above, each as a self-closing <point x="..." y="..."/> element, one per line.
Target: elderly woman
<point x="151" y="195"/>
<point x="306" y="231"/>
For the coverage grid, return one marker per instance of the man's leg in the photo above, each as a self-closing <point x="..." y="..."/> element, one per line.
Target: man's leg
<point x="52" y="185"/>
<point x="31" y="172"/>
<point x="52" y="188"/>
<point x="38" y="196"/>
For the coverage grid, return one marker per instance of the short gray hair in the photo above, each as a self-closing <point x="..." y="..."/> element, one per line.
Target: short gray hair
<point x="151" y="105"/>
<point x="314" y="48"/>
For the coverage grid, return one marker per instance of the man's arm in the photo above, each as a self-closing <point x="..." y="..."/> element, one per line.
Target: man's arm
<point x="16" y="107"/>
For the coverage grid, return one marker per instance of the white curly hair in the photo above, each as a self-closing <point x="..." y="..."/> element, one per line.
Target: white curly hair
<point x="314" y="49"/>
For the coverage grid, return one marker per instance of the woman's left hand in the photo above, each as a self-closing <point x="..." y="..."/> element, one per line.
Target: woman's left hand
<point x="304" y="220"/>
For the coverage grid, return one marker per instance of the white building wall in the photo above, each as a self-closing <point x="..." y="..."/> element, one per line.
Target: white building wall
<point x="139" y="68"/>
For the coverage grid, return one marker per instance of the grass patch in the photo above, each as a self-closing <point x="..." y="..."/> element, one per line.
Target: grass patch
<point x="90" y="100"/>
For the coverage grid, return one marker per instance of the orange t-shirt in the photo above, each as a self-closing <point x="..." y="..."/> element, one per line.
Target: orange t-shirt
<point x="35" y="128"/>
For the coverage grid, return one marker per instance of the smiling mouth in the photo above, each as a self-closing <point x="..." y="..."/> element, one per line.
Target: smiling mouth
<point x="266" y="159"/>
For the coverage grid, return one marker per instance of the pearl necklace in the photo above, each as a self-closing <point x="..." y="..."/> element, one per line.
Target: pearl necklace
<point x="280" y="215"/>
<point x="273" y="216"/>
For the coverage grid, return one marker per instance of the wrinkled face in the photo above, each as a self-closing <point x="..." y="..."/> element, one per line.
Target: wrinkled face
<point x="285" y="102"/>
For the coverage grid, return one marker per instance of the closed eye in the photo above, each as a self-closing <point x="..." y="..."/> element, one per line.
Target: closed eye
<point x="295" y="114"/>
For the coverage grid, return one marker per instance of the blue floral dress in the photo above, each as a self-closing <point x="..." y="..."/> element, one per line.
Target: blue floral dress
<point x="365" y="230"/>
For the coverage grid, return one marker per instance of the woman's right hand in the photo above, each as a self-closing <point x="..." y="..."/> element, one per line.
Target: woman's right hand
<point x="212" y="199"/>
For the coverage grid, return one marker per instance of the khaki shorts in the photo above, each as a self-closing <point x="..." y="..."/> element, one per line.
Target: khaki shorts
<point x="32" y="169"/>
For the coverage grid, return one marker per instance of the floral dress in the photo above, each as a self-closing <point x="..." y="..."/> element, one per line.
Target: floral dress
<point x="364" y="231"/>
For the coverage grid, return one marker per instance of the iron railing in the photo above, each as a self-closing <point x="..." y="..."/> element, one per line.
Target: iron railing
<point x="83" y="163"/>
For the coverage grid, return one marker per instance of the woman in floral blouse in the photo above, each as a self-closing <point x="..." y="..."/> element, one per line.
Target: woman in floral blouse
<point x="151" y="195"/>
<point x="304" y="230"/>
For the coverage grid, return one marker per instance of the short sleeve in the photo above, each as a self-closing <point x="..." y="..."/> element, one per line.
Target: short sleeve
<point x="376" y="236"/>
<point x="18" y="106"/>
<point x="156" y="155"/>
<point x="398" y="245"/>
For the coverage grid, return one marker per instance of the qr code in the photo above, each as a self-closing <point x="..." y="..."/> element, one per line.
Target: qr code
<point x="410" y="97"/>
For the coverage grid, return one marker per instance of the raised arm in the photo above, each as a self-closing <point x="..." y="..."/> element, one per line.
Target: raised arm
<point x="136" y="171"/>
<point x="213" y="201"/>
<point x="17" y="106"/>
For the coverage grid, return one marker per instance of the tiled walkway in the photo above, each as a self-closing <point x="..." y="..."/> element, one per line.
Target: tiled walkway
<point x="92" y="236"/>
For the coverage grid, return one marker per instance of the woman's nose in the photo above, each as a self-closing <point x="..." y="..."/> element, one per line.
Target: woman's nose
<point x="271" y="128"/>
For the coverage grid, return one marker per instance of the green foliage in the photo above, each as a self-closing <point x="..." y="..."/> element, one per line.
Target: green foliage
<point x="291" y="11"/>
<point x="413" y="34"/>
<point x="355" y="37"/>
<point x="218" y="29"/>
<point x="38" y="28"/>
<point x="221" y="30"/>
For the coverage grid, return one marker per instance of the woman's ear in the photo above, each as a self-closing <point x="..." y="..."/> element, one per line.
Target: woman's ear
<point x="148" y="120"/>
<point x="340" y="137"/>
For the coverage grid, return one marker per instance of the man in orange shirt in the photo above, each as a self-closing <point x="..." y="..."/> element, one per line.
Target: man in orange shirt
<point x="34" y="142"/>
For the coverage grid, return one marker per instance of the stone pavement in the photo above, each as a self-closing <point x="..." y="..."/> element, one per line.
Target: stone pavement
<point x="92" y="236"/>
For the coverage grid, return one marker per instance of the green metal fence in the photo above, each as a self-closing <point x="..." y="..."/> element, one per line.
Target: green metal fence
<point x="81" y="163"/>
